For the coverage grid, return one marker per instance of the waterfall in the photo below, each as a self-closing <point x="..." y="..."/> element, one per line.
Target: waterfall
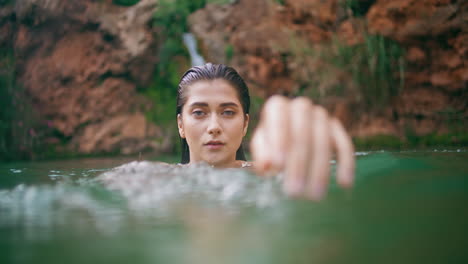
<point x="191" y="44"/>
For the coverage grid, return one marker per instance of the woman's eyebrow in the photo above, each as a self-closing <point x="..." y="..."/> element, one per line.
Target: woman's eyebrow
<point x="198" y="104"/>
<point x="202" y="104"/>
<point x="229" y="104"/>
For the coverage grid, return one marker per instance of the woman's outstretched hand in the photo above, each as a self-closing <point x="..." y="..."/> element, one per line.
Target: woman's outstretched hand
<point x="299" y="138"/>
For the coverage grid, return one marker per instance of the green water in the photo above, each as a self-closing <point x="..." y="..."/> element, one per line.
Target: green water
<point x="406" y="207"/>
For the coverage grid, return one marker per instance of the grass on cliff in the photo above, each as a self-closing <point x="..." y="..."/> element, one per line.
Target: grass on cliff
<point x="369" y="73"/>
<point x="377" y="67"/>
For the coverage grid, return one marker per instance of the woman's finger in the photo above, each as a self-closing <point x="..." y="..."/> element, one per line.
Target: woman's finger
<point x="297" y="161"/>
<point x="260" y="151"/>
<point x="276" y="124"/>
<point x="345" y="152"/>
<point x="320" y="146"/>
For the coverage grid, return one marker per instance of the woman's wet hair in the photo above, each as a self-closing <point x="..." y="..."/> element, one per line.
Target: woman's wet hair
<point x="211" y="71"/>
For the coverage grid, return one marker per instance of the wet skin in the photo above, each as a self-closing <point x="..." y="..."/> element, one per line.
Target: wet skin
<point x="294" y="136"/>
<point x="213" y="123"/>
<point x="299" y="138"/>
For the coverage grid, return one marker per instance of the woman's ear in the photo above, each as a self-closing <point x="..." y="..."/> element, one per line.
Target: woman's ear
<point x="246" y="123"/>
<point x="180" y="125"/>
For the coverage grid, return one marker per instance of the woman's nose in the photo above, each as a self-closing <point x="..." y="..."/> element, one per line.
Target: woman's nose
<point x="214" y="126"/>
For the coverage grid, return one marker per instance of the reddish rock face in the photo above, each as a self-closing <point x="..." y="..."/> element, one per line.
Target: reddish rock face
<point x="261" y="45"/>
<point x="275" y="49"/>
<point x="434" y="31"/>
<point x="80" y="62"/>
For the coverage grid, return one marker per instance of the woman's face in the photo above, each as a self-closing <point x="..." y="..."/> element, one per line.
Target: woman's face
<point x="212" y="122"/>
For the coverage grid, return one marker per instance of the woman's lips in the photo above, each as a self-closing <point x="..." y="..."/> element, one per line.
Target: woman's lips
<point x="214" y="145"/>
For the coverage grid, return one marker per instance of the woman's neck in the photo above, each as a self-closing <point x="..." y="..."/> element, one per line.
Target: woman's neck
<point x="225" y="165"/>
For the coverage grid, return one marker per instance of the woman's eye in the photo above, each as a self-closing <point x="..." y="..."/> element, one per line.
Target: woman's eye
<point x="198" y="113"/>
<point x="228" y="113"/>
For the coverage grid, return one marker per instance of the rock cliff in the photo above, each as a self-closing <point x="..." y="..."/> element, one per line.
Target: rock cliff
<point x="80" y="62"/>
<point x="268" y="42"/>
<point x="435" y="35"/>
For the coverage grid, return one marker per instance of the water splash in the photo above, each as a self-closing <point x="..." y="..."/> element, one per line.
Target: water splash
<point x="153" y="185"/>
<point x="136" y="190"/>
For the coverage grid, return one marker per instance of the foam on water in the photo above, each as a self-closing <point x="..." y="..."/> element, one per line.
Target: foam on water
<point x="132" y="190"/>
<point x="151" y="185"/>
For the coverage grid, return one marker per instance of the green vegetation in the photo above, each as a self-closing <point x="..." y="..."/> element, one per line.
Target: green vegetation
<point x="280" y="2"/>
<point x="18" y="135"/>
<point x="6" y="2"/>
<point x="371" y="72"/>
<point x="172" y="15"/>
<point x="171" y="21"/>
<point x="376" y="66"/>
<point x="229" y="52"/>
<point x="125" y="2"/>
<point x="378" y="142"/>
<point x="256" y="104"/>
<point x="358" y="8"/>
<point x="412" y="141"/>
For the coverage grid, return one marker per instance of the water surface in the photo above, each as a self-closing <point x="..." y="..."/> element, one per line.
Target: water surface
<point x="406" y="207"/>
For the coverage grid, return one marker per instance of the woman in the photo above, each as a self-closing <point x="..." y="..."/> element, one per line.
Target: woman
<point x="293" y="135"/>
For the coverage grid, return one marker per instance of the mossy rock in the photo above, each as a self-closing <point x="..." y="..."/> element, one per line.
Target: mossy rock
<point x="125" y="2"/>
<point x="378" y="142"/>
